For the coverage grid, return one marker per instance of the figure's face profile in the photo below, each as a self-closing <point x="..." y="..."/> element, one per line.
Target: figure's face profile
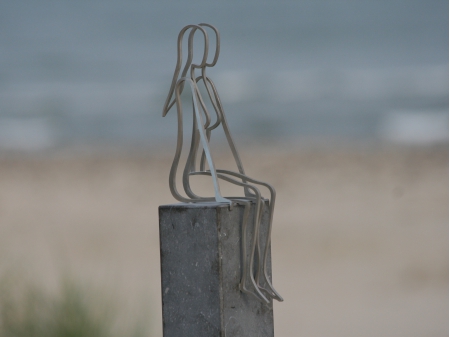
<point x="217" y="40"/>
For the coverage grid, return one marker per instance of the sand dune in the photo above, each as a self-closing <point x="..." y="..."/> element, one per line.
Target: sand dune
<point x="360" y="238"/>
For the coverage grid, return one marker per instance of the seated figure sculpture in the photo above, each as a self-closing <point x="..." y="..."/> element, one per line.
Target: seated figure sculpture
<point x="260" y="284"/>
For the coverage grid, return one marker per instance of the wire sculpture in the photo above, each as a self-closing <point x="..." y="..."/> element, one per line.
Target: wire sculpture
<point x="201" y="135"/>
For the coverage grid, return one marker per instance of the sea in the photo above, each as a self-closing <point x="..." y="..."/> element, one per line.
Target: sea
<point x="96" y="73"/>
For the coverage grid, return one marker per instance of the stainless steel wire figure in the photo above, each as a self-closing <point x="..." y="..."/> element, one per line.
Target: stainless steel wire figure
<point x="201" y="135"/>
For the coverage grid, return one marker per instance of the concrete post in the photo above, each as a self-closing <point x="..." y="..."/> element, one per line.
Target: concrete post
<point x="201" y="271"/>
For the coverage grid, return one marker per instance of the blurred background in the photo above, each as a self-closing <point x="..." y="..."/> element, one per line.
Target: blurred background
<point x="96" y="73"/>
<point x="341" y="105"/>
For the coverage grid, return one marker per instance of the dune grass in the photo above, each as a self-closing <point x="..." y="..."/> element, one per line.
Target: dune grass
<point x="74" y="311"/>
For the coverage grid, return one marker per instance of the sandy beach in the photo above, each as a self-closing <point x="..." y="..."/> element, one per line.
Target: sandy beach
<point x="360" y="237"/>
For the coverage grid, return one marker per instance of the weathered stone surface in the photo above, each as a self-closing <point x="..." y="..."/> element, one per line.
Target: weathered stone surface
<point x="201" y="271"/>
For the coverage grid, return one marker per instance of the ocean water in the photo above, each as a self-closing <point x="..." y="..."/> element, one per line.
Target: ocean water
<point x="96" y="73"/>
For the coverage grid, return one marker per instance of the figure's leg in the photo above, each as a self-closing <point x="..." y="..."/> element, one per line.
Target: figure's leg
<point x="258" y="248"/>
<point x="271" y="291"/>
<point x="257" y="271"/>
<point x="248" y="265"/>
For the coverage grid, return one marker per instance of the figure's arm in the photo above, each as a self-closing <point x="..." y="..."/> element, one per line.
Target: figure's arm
<point x="215" y="99"/>
<point x="203" y="138"/>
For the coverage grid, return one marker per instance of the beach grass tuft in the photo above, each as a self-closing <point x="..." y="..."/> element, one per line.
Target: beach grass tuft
<point x="73" y="311"/>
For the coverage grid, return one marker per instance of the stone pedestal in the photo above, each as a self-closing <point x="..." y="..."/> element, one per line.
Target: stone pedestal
<point x="201" y="270"/>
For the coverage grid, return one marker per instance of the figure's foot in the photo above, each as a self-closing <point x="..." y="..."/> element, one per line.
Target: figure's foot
<point x="270" y="290"/>
<point x="272" y="293"/>
<point x="225" y="200"/>
<point x="258" y="295"/>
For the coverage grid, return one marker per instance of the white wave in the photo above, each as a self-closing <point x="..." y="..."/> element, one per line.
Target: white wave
<point x="77" y="98"/>
<point x="403" y="82"/>
<point x="415" y="127"/>
<point x="235" y="86"/>
<point x="26" y="134"/>
<point x="357" y="84"/>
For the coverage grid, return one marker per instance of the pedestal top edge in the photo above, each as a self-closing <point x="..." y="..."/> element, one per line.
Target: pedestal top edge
<point x="212" y="204"/>
<point x="204" y="204"/>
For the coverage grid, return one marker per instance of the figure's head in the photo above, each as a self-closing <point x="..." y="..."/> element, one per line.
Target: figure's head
<point x="204" y="49"/>
<point x="217" y="51"/>
<point x="189" y="64"/>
